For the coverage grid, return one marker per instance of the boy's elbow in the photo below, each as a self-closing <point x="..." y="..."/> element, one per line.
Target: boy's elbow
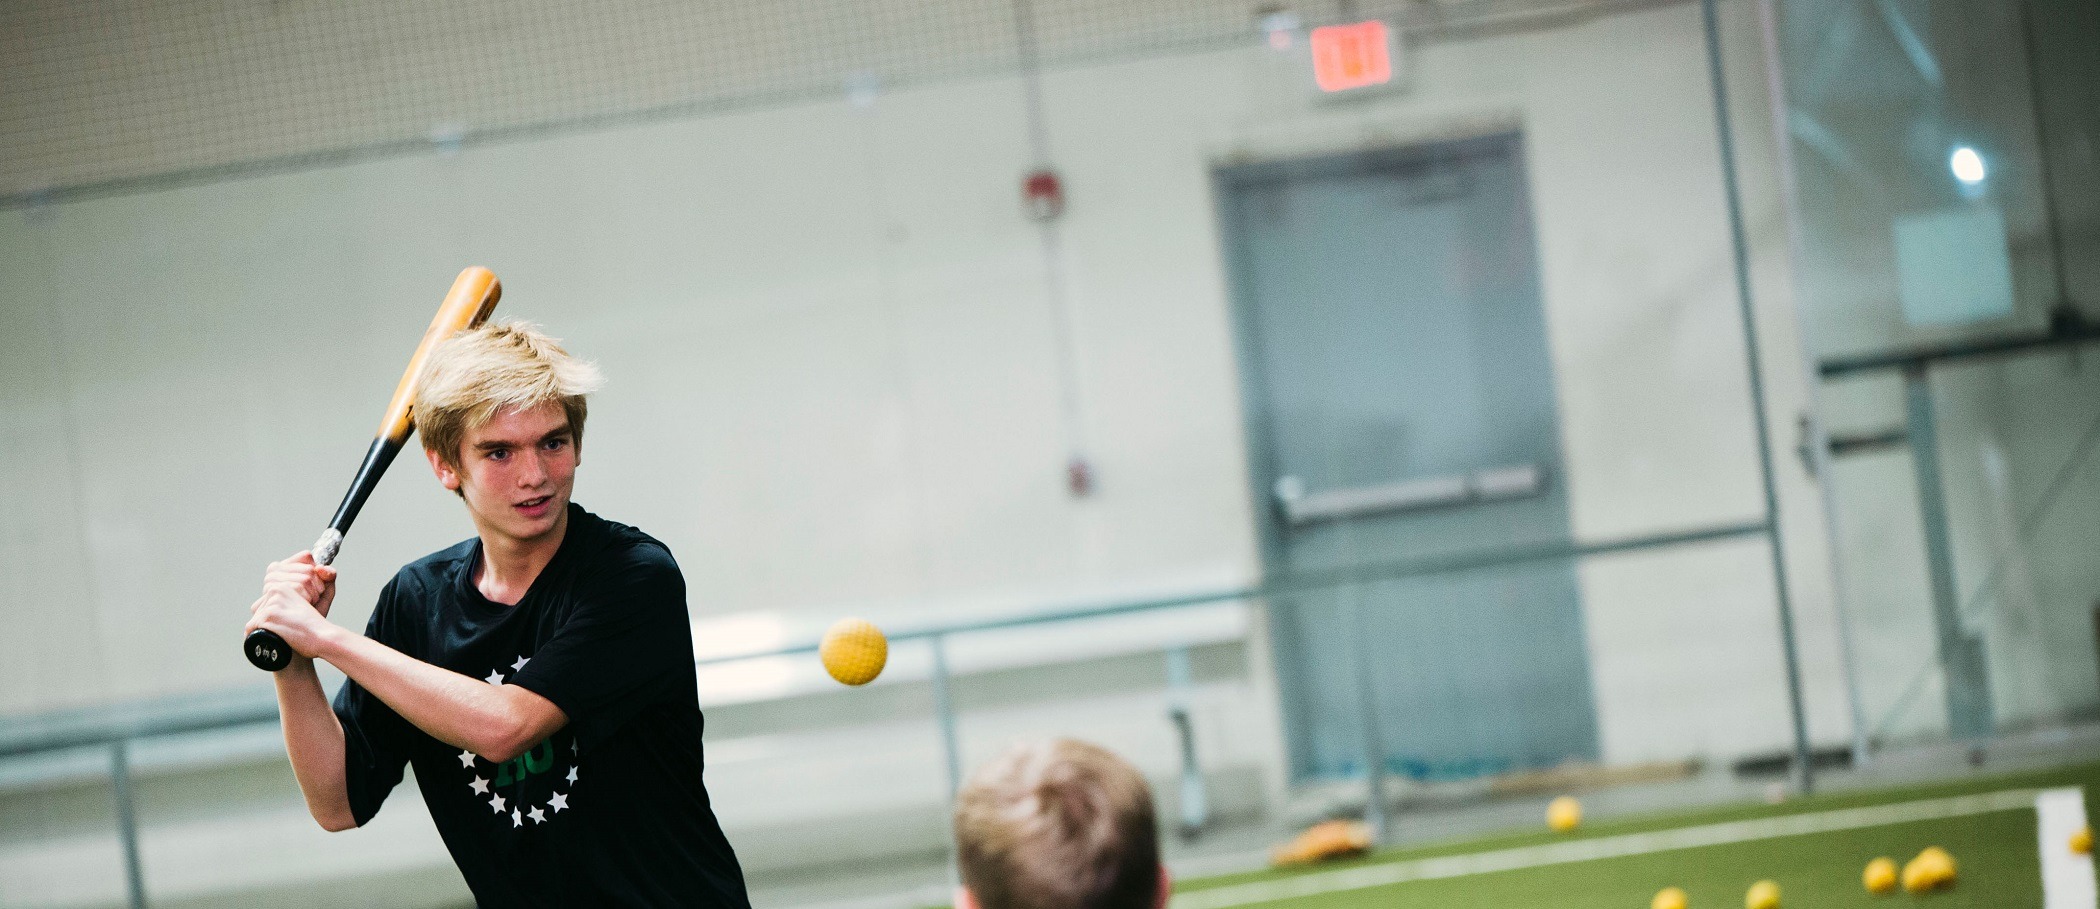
<point x="506" y="742"/>
<point x="335" y="821"/>
<point x="517" y="731"/>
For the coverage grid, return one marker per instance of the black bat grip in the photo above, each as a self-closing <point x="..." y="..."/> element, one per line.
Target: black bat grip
<point x="264" y="647"/>
<point x="266" y="650"/>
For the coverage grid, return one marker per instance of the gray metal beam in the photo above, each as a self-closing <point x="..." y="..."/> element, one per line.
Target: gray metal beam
<point x="1961" y="653"/>
<point x="127" y="824"/>
<point x="1914" y="49"/>
<point x="1819" y="447"/>
<point x="1832" y="49"/>
<point x="1739" y="243"/>
<point x="135" y="720"/>
<point x="2067" y="329"/>
<point x="1830" y="147"/>
<point x="951" y="747"/>
<point x="129" y="721"/>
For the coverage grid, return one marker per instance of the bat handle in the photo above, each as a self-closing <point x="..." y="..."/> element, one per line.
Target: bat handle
<point x="326" y="547"/>
<point x="264" y="648"/>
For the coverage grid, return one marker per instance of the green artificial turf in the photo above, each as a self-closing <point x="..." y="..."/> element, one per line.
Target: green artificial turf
<point x="1997" y="855"/>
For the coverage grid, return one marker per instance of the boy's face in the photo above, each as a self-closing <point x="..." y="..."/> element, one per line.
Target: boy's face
<point x="516" y="473"/>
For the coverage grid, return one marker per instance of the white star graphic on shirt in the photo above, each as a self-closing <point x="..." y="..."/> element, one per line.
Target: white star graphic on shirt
<point x="558" y="802"/>
<point x="572" y="775"/>
<point x="479" y="785"/>
<point x="536" y="815"/>
<point x="515" y="820"/>
<point x="572" y="746"/>
<point x="520" y="664"/>
<point x="496" y="803"/>
<point x="495" y="678"/>
<point x="466" y="759"/>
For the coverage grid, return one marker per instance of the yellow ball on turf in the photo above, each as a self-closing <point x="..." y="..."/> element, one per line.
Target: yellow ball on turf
<point x="1932" y="869"/>
<point x="1939" y="863"/>
<point x="1762" y="895"/>
<point x="2082" y="841"/>
<point x="1880" y="876"/>
<point x="1668" y="898"/>
<point x="1564" y="814"/>
<point x="854" y="651"/>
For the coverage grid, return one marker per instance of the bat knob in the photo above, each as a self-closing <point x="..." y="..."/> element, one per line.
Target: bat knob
<point x="266" y="650"/>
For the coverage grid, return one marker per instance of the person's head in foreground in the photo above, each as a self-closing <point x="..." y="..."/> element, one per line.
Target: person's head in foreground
<point x="1058" y="824"/>
<point x="501" y="411"/>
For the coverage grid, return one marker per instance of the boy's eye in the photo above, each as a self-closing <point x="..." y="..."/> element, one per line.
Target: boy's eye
<point x="498" y="454"/>
<point x="554" y="444"/>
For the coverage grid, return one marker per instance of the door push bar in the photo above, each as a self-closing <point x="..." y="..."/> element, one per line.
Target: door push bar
<point x="1481" y="487"/>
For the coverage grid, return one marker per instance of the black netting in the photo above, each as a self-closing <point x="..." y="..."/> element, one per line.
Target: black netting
<point x="131" y="90"/>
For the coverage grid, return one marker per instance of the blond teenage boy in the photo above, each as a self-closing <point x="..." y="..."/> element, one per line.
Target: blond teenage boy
<point x="538" y="677"/>
<point x="1059" y="824"/>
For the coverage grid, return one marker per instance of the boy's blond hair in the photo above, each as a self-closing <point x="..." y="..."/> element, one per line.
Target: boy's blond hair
<point x="1061" y="824"/>
<point x="481" y="372"/>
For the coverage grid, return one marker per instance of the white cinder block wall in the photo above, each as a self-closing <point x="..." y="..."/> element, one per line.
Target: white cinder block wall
<point x="831" y="361"/>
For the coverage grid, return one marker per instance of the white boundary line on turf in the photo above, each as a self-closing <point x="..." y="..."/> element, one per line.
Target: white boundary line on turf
<point x="2067" y="877"/>
<point x="1604" y="847"/>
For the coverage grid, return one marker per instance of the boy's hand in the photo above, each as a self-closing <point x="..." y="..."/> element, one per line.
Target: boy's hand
<point x="294" y="603"/>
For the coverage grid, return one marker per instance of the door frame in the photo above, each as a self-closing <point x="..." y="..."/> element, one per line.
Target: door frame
<point x="1259" y="442"/>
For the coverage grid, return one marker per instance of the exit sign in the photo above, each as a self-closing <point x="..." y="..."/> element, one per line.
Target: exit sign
<point x="1354" y="56"/>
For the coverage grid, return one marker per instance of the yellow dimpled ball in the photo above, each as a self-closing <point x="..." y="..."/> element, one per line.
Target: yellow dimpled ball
<point x="1880" y="876"/>
<point x="2082" y="841"/>
<point x="1564" y="814"/>
<point x="1762" y="895"/>
<point x="1668" y="898"/>
<point x="1932" y="869"/>
<point x="854" y="651"/>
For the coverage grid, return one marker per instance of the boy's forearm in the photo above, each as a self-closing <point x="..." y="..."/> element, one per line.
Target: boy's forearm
<point x="313" y="738"/>
<point x="497" y="722"/>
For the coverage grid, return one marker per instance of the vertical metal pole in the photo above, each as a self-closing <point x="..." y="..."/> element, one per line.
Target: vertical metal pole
<point x="1195" y="802"/>
<point x="1367" y="699"/>
<point x="2041" y="143"/>
<point x="1818" y="436"/>
<point x="1368" y="727"/>
<point x="1961" y="654"/>
<point x="127" y="824"/>
<point x="944" y="711"/>
<point x="1738" y="235"/>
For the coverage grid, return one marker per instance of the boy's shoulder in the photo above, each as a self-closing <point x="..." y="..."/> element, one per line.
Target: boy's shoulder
<point x="429" y="574"/>
<point x="604" y="544"/>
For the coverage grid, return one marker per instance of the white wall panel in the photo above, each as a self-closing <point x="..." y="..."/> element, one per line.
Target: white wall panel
<point x="828" y="331"/>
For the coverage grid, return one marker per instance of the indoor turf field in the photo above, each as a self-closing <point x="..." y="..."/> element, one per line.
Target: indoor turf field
<point x="1987" y="822"/>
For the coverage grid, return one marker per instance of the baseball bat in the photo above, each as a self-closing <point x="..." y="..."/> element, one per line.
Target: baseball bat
<point x="473" y="296"/>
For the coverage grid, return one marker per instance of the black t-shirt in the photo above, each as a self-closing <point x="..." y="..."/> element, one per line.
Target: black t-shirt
<point x="610" y="810"/>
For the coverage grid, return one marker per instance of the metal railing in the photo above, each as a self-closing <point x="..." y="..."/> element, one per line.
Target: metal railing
<point x="116" y="727"/>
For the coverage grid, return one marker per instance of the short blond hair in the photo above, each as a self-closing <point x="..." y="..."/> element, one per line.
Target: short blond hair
<point x="1059" y="824"/>
<point x="481" y="372"/>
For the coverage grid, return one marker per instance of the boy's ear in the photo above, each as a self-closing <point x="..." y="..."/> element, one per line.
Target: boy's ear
<point x="964" y="899"/>
<point x="445" y="474"/>
<point x="1166" y="888"/>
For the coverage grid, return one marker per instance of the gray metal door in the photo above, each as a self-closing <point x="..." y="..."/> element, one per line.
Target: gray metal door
<point x="1402" y="423"/>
